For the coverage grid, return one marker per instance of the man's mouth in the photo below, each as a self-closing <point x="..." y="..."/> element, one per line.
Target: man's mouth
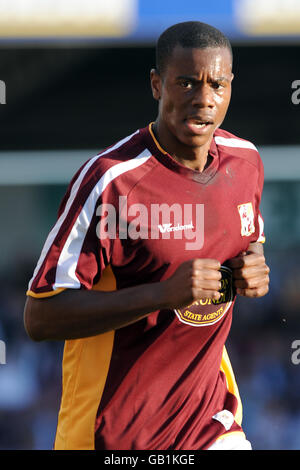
<point x="199" y="121"/>
<point x="198" y="124"/>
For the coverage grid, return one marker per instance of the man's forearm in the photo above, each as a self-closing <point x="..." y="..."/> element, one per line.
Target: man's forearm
<point x="77" y="314"/>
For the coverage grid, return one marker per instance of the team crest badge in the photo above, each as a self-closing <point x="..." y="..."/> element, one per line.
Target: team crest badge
<point x="247" y="219"/>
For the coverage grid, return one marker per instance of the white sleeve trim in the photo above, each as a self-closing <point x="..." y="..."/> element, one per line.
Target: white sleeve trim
<point x="69" y="256"/>
<point x="233" y="142"/>
<point x="53" y="233"/>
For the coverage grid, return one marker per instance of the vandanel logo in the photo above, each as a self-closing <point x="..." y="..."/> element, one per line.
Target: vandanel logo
<point x="205" y="312"/>
<point x="174" y="228"/>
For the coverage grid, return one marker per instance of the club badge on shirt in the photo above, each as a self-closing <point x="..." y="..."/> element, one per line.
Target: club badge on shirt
<point x="247" y="219"/>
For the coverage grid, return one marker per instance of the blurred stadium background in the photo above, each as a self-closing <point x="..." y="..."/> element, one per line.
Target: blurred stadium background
<point x="77" y="79"/>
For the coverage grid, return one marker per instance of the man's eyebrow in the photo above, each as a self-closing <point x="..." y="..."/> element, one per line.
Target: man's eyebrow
<point x="186" y="77"/>
<point x="196" y="80"/>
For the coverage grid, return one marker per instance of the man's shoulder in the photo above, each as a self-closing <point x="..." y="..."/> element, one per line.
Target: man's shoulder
<point x="238" y="147"/>
<point x="227" y="139"/>
<point x="128" y="155"/>
<point x="124" y="151"/>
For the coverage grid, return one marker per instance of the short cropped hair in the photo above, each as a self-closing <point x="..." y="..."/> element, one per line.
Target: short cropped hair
<point x="188" y="34"/>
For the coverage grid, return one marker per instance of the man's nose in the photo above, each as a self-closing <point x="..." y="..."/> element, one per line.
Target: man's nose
<point x="203" y="97"/>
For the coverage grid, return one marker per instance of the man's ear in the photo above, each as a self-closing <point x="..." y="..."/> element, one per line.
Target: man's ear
<point x="156" y="84"/>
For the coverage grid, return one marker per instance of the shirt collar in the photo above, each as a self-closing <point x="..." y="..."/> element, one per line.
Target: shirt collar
<point x="164" y="157"/>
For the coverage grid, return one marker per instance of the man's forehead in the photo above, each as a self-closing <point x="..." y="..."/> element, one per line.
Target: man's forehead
<point x="197" y="58"/>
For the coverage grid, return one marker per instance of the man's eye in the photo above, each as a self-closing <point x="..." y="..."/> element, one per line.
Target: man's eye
<point x="217" y="85"/>
<point x="186" y="84"/>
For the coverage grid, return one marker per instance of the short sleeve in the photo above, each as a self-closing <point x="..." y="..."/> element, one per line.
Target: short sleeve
<point x="74" y="256"/>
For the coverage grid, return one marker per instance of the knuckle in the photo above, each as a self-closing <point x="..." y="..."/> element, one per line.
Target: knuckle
<point x="255" y="293"/>
<point x="266" y="289"/>
<point x="261" y="291"/>
<point x="242" y="272"/>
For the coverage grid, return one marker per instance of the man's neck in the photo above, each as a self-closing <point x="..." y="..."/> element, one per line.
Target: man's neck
<point x="196" y="158"/>
<point x="196" y="162"/>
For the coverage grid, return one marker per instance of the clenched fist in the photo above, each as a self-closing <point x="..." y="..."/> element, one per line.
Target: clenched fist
<point x="250" y="272"/>
<point x="194" y="279"/>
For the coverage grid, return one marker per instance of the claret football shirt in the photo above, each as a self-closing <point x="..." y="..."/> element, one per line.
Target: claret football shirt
<point x="132" y="215"/>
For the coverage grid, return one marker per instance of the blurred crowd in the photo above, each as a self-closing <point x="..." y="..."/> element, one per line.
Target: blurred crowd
<point x="30" y="380"/>
<point x="261" y="351"/>
<point x="260" y="348"/>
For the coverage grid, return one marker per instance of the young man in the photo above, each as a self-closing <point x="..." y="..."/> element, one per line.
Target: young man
<point x="155" y="237"/>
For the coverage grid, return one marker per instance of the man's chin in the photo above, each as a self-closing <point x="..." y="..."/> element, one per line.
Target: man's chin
<point x="194" y="141"/>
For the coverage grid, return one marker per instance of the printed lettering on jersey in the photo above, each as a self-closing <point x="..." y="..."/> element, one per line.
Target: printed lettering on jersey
<point x="205" y="312"/>
<point x="247" y="219"/>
